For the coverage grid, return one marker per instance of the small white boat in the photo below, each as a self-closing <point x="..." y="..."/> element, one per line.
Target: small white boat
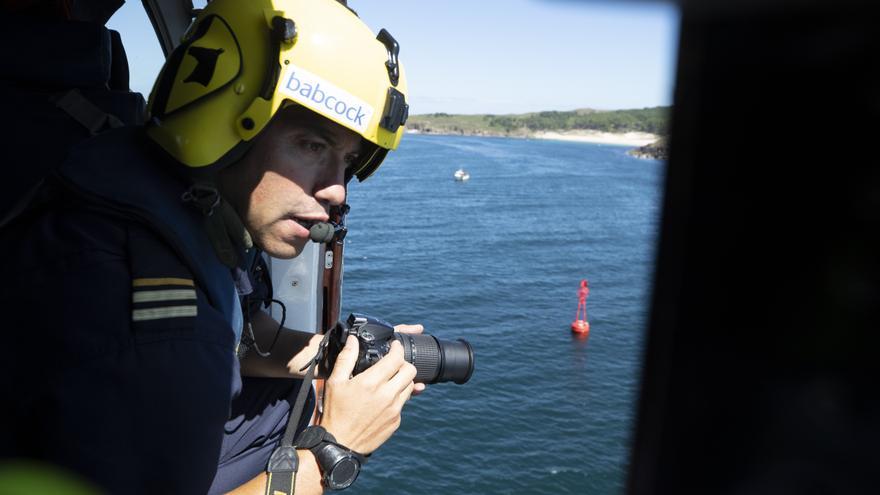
<point x="461" y="175"/>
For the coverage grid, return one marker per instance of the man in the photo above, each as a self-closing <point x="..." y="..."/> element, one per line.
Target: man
<point x="124" y="272"/>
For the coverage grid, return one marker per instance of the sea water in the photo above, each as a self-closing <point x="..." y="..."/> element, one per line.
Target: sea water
<point x="498" y="260"/>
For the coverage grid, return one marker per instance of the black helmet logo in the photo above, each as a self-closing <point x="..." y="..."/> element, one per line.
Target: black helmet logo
<point x="206" y="60"/>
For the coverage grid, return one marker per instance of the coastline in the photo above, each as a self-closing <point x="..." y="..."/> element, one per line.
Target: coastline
<point x="583" y="136"/>
<point x="587" y="136"/>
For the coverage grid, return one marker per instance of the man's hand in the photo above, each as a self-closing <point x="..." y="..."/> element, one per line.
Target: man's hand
<point x="403" y="328"/>
<point x="363" y="411"/>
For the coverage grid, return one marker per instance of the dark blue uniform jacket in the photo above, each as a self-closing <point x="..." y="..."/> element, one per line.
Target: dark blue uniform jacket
<point x="119" y="326"/>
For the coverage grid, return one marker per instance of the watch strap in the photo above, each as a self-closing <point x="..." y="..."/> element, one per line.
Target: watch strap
<point x="312" y="436"/>
<point x="339" y="466"/>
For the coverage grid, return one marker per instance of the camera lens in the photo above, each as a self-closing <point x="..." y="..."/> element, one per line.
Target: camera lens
<point x="436" y="360"/>
<point x="458" y="361"/>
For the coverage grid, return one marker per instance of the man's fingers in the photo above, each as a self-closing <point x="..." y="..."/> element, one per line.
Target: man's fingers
<point x="419" y="388"/>
<point x="387" y="367"/>
<point x="346" y="359"/>
<point x="404" y="377"/>
<point x="404" y="396"/>
<point x="409" y="328"/>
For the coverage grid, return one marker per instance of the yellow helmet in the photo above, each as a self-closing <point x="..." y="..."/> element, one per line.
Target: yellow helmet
<point x="243" y="60"/>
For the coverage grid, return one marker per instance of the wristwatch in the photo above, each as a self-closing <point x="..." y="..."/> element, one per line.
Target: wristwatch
<point x="339" y="465"/>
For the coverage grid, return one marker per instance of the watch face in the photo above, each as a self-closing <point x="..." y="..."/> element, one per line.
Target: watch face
<point x="343" y="473"/>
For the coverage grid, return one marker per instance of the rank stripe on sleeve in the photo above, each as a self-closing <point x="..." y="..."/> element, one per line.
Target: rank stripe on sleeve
<point x="163" y="295"/>
<point x="167" y="312"/>
<point x="163" y="298"/>
<point x="150" y="282"/>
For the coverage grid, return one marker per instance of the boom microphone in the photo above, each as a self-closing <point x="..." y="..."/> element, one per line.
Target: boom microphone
<point x="322" y="232"/>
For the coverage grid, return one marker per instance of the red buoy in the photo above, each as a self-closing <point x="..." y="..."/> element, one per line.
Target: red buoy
<point x="580" y="325"/>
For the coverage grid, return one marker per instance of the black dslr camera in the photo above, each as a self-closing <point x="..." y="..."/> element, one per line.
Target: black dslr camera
<point x="436" y="360"/>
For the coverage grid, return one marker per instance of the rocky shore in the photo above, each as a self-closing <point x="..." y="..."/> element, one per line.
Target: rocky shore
<point x="658" y="150"/>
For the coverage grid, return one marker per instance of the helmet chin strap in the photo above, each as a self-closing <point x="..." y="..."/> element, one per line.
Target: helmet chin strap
<point x="224" y="227"/>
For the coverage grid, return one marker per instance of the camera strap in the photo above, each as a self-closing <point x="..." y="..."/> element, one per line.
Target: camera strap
<point x="283" y="463"/>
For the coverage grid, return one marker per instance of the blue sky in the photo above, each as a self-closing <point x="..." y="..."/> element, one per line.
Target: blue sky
<point x="499" y="56"/>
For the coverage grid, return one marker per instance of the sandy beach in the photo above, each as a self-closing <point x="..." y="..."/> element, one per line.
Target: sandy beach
<point x="583" y="136"/>
<point x="586" y="136"/>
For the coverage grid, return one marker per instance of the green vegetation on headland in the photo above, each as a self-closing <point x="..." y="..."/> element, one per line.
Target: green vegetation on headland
<point x="648" y="120"/>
